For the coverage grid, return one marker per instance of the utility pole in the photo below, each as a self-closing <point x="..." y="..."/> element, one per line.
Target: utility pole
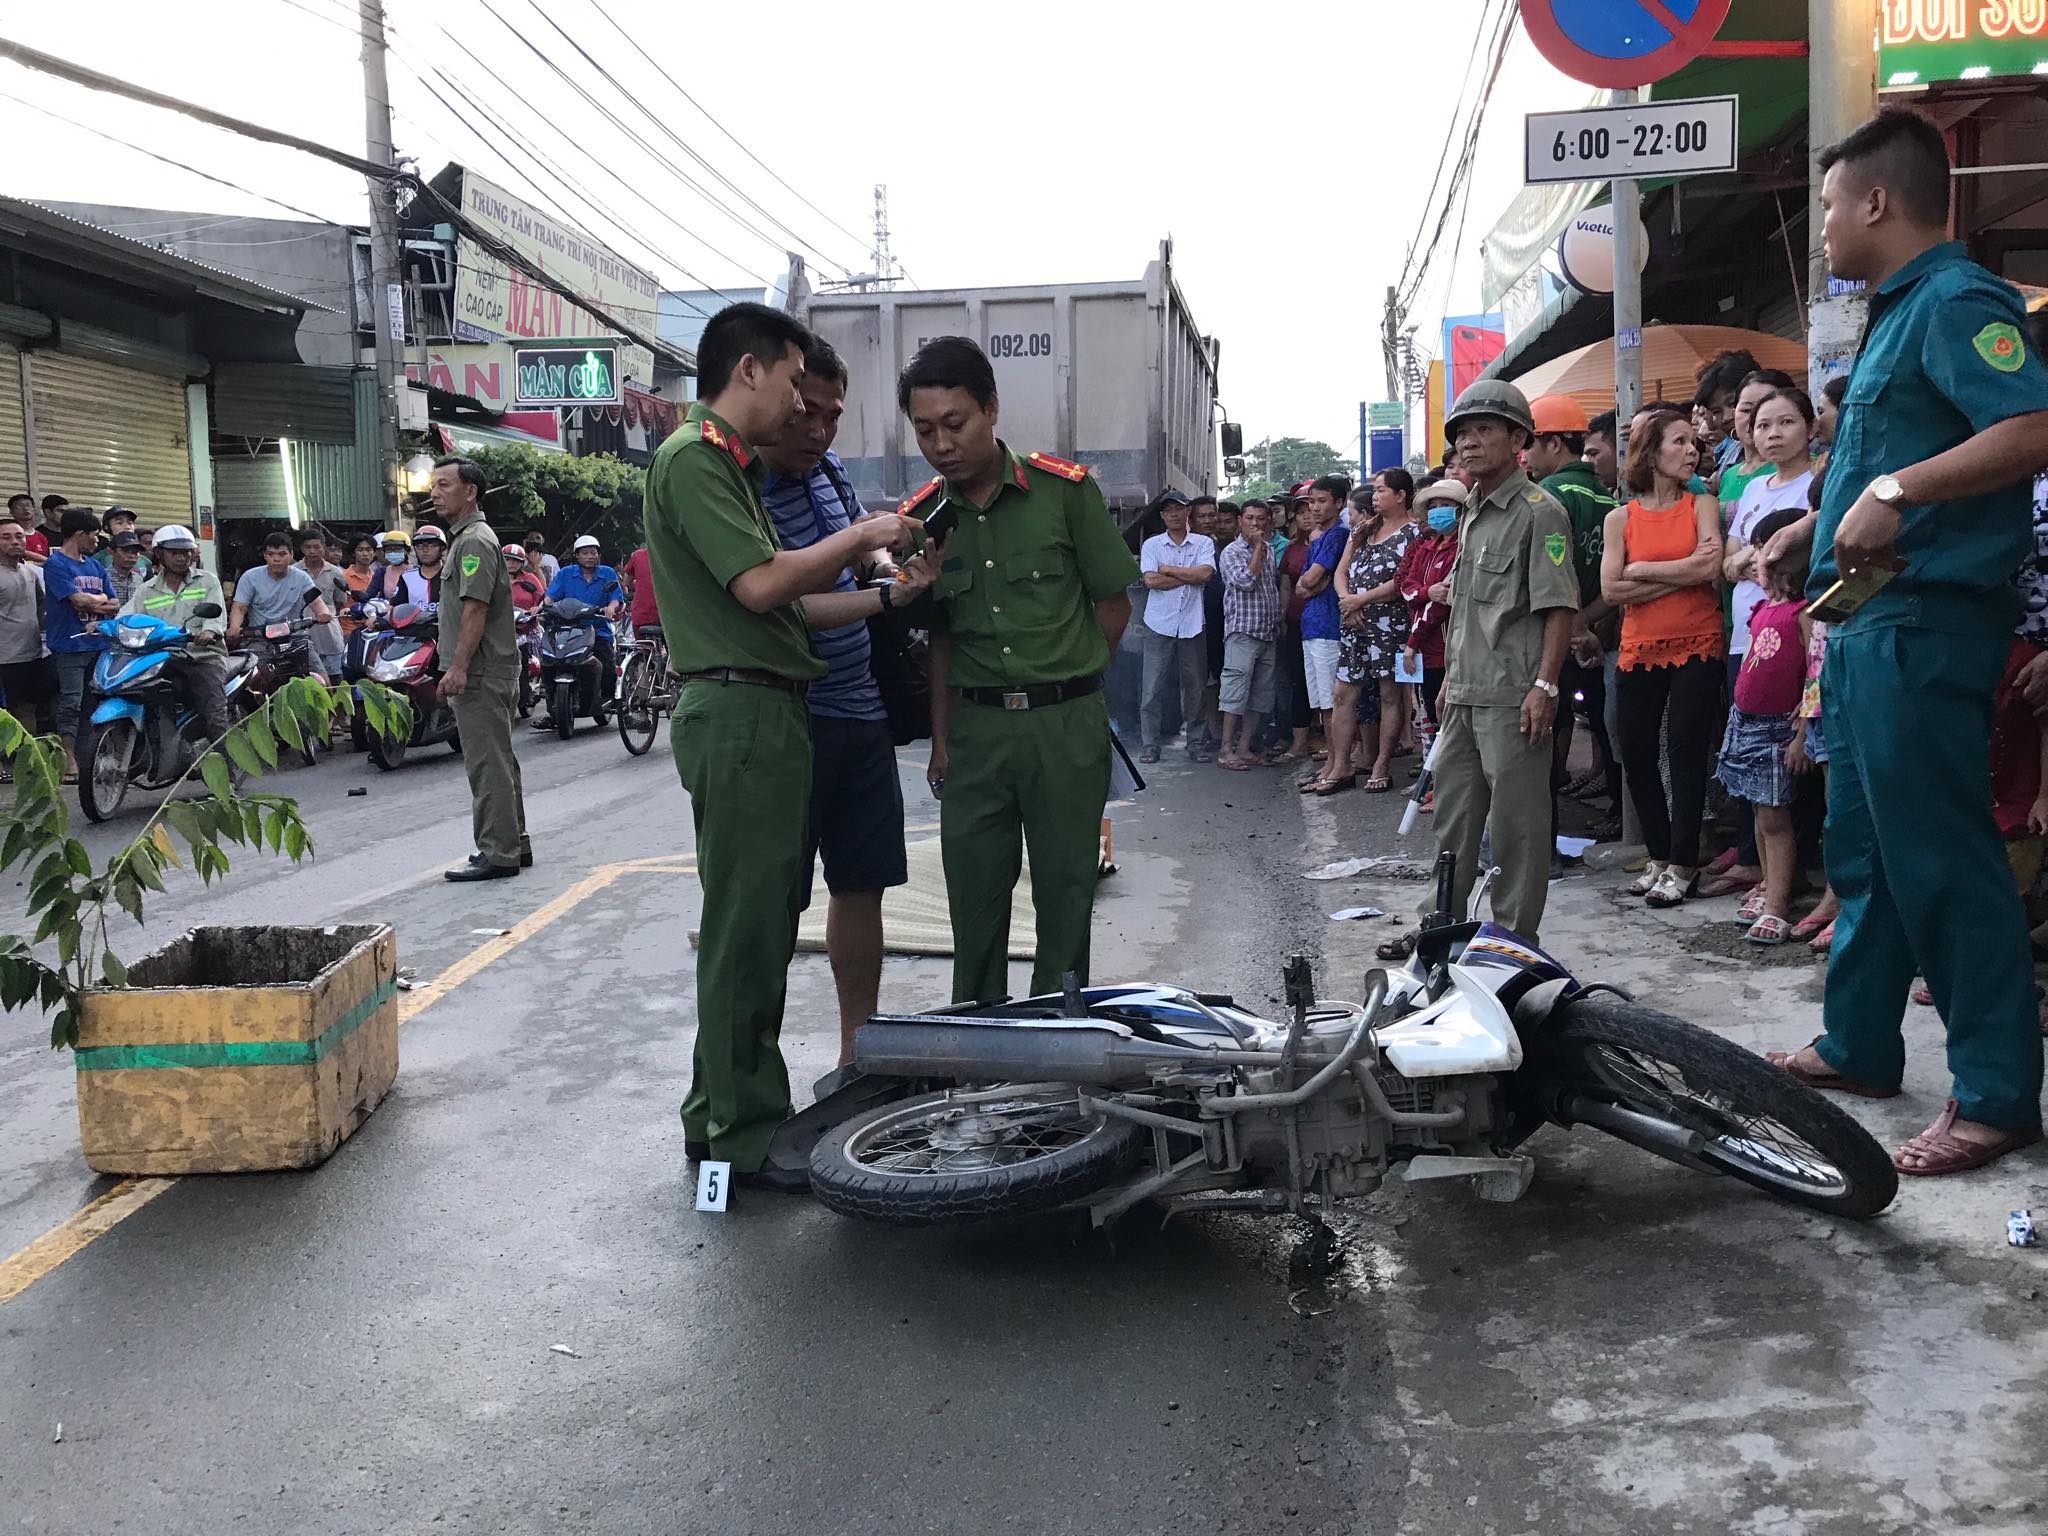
<point x="387" y="295"/>
<point x="1841" y="75"/>
<point x="1628" y="306"/>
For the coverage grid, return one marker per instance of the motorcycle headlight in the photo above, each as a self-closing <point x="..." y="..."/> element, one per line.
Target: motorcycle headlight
<point x="387" y="671"/>
<point x="133" y="639"/>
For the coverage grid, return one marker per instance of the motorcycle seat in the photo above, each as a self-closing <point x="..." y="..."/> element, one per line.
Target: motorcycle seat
<point x="236" y="662"/>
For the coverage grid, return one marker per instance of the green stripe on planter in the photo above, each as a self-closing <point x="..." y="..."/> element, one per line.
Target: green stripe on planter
<point x="240" y="1053"/>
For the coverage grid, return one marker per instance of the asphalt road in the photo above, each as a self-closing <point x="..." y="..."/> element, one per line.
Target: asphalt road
<point x="368" y="1346"/>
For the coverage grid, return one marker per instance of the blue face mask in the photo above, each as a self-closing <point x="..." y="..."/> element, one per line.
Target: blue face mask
<point x="1442" y="519"/>
<point x="394" y="557"/>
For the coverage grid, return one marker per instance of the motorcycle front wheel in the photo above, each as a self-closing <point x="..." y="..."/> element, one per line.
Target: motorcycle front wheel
<point x="1759" y="1123"/>
<point x="638" y="718"/>
<point x="564" y="709"/>
<point x="106" y="765"/>
<point x="970" y="1155"/>
<point x="388" y="752"/>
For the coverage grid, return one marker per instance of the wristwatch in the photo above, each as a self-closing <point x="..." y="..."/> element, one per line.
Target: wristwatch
<point x="1547" y="687"/>
<point x="1886" y="488"/>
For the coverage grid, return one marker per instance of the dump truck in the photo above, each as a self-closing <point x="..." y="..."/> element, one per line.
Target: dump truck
<point x="1116" y="376"/>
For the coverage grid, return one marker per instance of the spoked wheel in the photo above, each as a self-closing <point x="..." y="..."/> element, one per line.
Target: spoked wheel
<point x="639" y="719"/>
<point x="106" y="764"/>
<point x="967" y="1155"/>
<point x="1758" y="1123"/>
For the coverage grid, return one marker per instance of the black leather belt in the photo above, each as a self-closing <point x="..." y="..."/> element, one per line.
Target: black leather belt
<point x="1034" y="695"/>
<point x="750" y="675"/>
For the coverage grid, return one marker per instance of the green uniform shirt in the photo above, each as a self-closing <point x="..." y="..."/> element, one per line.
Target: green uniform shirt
<point x="1586" y="502"/>
<point x="475" y="572"/>
<point x="705" y="525"/>
<point x="1514" y="565"/>
<point x="1024" y="573"/>
<point x="1944" y="357"/>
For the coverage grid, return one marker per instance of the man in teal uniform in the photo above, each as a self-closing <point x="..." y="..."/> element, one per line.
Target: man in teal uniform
<point x="1031" y="601"/>
<point x="731" y="602"/>
<point x="1944" y="425"/>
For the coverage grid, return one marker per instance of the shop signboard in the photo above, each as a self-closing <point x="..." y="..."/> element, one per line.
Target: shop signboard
<point x="1924" y="42"/>
<point x="567" y="373"/>
<point x="496" y="303"/>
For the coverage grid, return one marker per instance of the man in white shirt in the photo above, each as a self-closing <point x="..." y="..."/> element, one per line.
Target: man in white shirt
<point x="1176" y="565"/>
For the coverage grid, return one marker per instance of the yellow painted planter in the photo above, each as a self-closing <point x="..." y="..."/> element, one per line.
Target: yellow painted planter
<point x="235" y="1050"/>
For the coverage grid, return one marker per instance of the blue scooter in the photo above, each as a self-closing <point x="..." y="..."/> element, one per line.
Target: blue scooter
<point x="139" y="734"/>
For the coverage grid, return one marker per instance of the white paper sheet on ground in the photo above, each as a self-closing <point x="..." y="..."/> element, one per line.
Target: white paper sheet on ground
<point x="1350" y="914"/>
<point x="1573" y="847"/>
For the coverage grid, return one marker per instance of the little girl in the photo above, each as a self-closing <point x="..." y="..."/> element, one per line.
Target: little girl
<point x="1763" y="725"/>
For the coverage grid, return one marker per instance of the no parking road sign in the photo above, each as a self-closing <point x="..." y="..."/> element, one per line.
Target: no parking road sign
<point x="1622" y="43"/>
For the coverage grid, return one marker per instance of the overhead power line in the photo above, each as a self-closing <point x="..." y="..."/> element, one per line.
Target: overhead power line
<point x="1458" y="190"/>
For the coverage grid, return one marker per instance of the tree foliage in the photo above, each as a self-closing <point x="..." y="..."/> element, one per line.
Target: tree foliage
<point x="69" y="900"/>
<point x="597" y="492"/>
<point x="1287" y="461"/>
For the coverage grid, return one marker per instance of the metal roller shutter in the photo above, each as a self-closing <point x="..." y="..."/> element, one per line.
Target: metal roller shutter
<point x="13" y="439"/>
<point x="106" y="435"/>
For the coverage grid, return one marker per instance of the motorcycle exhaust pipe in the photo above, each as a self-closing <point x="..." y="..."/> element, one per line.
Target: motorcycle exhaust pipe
<point x="998" y="1051"/>
<point x="1639" y="1130"/>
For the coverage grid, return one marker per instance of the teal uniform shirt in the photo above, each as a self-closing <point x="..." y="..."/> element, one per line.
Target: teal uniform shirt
<point x="1945" y="356"/>
<point x="1586" y="502"/>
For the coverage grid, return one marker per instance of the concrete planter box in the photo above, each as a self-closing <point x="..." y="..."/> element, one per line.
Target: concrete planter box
<point x="237" y="1050"/>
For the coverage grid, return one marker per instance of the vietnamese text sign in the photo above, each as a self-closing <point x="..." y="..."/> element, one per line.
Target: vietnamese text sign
<point x="1385" y="413"/>
<point x="574" y="373"/>
<point x="1651" y="138"/>
<point x="1920" y="41"/>
<point x="496" y="303"/>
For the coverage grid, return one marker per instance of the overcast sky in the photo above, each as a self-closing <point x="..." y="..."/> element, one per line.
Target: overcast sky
<point x="1285" y="146"/>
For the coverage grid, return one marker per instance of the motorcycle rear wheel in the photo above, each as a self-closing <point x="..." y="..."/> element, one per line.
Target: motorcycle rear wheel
<point x="1762" y="1125"/>
<point x="106" y="767"/>
<point x="387" y="752"/>
<point x="966" y="1156"/>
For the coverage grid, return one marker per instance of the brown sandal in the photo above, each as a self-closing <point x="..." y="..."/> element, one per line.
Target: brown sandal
<point x="1832" y="1082"/>
<point x="1947" y="1153"/>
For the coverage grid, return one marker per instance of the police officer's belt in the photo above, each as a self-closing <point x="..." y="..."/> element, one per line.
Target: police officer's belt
<point x="753" y="675"/>
<point x="1036" y="696"/>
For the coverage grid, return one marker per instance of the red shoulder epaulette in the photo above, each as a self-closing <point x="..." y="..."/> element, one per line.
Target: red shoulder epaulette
<point x="909" y="503"/>
<point x="712" y="435"/>
<point x="731" y="445"/>
<point x="1064" y="468"/>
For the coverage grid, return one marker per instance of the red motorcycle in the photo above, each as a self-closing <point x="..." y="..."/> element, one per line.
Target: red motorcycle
<point x="526" y="624"/>
<point x="276" y="653"/>
<point x="402" y="656"/>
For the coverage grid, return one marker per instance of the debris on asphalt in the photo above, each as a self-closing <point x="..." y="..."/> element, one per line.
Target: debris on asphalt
<point x="60" y="1433"/>
<point x="490" y="933"/>
<point x="360" y="789"/>
<point x="1381" y="868"/>
<point x="2019" y="1229"/>
<point x="1352" y="914"/>
<point x="563" y="1349"/>
<point x="406" y="979"/>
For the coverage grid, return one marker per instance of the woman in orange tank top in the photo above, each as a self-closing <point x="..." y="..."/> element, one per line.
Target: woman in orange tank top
<point x="1662" y="567"/>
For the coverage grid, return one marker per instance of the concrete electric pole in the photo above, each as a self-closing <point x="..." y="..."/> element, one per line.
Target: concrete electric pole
<point x="1841" y="75"/>
<point x="387" y="294"/>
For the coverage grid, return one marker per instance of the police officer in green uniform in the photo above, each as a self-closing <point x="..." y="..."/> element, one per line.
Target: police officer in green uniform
<point x="1032" y="599"/>
<point x="730" y="599"/>
<point x="1944" y="423"/>
<point x="480" y="673"/>
<point x="1514" y="592"/>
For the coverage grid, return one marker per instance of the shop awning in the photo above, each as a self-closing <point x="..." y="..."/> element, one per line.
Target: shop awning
<point x="466" y="437"/>
<point x="1672" y="358"/>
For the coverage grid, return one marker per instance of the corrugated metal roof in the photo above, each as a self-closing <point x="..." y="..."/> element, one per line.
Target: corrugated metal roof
<point x="294" y="400"/>
<point x="62" y="233"/>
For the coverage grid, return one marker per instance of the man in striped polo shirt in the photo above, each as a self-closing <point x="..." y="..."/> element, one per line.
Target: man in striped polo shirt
<point x="856" y="818"/>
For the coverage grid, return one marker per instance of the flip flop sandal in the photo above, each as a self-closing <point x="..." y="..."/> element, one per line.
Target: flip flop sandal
<point x="1923" y="998"/>
<point x="1234" y="764"/>
<point x="1823" y="941"/>
<point x="1830" y="1081"/>
<point x="1767" y="930"/>
<point x="1378" y="785"/>
<point x="1808" y="926"/>
<point x="1397" y="948"/>
<point x="1946" y="1153"/>
<point x="1334" y="786"/>
<point x="1722" y="885"/>
<point x="1752" y="906"/>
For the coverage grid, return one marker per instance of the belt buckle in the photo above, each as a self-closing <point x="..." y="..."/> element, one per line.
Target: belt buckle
<point x="1017" y="699"/>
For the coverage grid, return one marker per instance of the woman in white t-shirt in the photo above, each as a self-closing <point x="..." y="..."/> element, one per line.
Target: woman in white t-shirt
<point x="1783" y="430"/>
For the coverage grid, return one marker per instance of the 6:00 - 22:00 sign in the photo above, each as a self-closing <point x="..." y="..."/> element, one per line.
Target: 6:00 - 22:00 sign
<point x="1656" y="138"/>
<point x="1687" y="136"/>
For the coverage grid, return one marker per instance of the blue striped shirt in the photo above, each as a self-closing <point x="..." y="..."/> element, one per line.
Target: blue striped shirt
<point x="806" y="511"/>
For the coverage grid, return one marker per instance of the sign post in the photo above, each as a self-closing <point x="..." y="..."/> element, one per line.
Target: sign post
<point x="1382" y="422"/>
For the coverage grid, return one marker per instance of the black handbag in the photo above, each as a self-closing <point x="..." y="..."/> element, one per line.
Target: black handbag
<point x="899" y="655"/>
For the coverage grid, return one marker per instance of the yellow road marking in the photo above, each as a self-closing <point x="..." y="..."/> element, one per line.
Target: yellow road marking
<point x="24" y="1269"/>
<point x="70" y="1236"/>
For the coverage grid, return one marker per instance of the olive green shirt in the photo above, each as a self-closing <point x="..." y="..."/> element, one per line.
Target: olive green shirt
<point x="705" y="526"/>
<point x="1023" y="574"/>
<point x="1514" y="566"/>
<point x="475" y="573"/>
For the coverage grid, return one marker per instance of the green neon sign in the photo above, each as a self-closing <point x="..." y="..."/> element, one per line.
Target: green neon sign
<point x="567" y="373"/>
<point x="1927" y="42"/>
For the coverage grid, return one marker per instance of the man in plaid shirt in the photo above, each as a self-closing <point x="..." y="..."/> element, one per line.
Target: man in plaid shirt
<point x="1251" y="632"/>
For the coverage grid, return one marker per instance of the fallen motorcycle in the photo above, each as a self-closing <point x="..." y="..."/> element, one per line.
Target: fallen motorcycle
<point x="1107" y="1097"/>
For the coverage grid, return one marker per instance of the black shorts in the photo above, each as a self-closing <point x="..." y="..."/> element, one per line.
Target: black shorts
<point x="856" y="806"/>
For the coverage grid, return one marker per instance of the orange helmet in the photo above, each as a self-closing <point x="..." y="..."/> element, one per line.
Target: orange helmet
<point x="1557" y="413"/>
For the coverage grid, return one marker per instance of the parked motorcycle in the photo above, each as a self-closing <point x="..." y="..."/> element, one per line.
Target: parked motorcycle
<point x="138" y="735"/>
<point x="1105" y="1097"/>
<point x="403" y="656"/>
<point x="526" y="629"/>
<point x="572" y="677"/>
<point x="278" y="652"/>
